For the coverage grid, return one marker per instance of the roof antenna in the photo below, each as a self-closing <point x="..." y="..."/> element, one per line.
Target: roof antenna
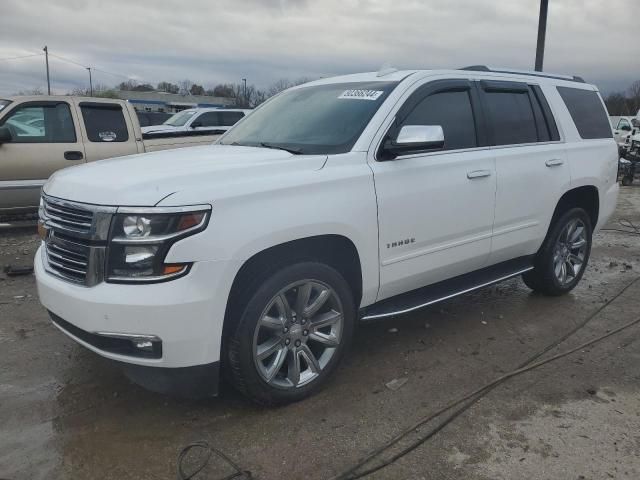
<point x="386" y="69"/>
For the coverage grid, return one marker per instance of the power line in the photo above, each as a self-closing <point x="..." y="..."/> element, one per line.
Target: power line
<point x="92" y="68"/>
<point x="22" y="56"/>
<point x="67" y="60"/>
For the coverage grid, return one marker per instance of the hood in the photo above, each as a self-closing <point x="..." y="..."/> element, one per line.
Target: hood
<point x="144" y="180"/>
<point x="159" y="128"/>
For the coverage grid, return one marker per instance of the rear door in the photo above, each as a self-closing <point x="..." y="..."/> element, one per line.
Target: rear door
<point x="106" y="128"/>
<point x="531" y="166"/>
<point x="44" y="139"/>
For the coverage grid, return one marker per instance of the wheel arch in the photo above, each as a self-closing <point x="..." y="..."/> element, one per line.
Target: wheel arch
<point x="335" y="250"/>
<point x="586" y="197"/>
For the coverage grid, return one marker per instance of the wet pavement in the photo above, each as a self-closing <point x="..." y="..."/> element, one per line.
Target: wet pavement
<point x="67" y="413"/>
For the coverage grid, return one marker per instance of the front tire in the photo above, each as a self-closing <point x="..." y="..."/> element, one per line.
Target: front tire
<point x="563" y="257"/>
<point x="292" y="332"/>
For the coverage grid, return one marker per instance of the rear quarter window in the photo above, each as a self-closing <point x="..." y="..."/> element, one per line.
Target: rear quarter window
<point x="587" y="112"/>
<point x="104" y="122"/>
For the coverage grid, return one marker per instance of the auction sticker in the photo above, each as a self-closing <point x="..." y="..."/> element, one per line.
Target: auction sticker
<point x="107" y="136"/>
<point x="361" y="94"/>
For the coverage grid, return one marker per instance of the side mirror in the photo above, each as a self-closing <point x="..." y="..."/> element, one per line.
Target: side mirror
<point x="196" y="124"/>
<point x="626" y="128"/>
<point x="415" y="139"/>
<point x="5" y="135"/>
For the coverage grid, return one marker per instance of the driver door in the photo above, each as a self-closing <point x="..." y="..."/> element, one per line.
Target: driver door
<point x="44" y="139"/>
<point x="435" y="209"/>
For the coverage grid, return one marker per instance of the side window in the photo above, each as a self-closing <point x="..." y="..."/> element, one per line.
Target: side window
<point x="228" y="119"/>
<point x="452" y="111"/>
<point x="511" y="116"/>
<point x="104" y="122"/>
<point x="41" y="123"/>
<point x="208" y="119"/>
<point x="623" y="124"/>
<point x="587" y="112"/>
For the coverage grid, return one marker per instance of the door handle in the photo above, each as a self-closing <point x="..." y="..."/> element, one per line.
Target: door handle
<point x="554" y="162"/>
<point x="478" y="174"/>
<point x="73" y="155"/>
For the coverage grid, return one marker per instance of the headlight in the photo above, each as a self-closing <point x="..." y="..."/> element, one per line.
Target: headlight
<point x="140" y="239"/>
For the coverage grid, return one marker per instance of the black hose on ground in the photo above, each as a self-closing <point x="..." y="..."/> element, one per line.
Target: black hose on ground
<point x="473" y="397"/>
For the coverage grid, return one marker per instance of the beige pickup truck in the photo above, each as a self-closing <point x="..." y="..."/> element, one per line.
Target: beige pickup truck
<point x="42" y="134"/>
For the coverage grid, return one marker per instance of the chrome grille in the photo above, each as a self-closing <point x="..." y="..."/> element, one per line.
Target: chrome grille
<point x="75" y="237"/>
<point x="67" y="257"/>
<point x="67" y="218"/>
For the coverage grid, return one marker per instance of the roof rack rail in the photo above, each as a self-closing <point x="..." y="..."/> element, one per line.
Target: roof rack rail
<point x="484" y="68"/>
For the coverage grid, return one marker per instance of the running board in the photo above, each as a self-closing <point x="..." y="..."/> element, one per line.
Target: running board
<point x="437" y="292"/>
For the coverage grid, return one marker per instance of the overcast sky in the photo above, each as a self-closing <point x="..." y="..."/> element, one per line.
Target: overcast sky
<point x="215" y="41"/>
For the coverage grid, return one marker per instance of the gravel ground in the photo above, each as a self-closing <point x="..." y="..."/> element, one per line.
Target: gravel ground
<point x="67" y="413"/>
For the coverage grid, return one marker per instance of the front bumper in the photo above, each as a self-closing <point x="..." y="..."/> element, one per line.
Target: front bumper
<point x="185" y="315"/>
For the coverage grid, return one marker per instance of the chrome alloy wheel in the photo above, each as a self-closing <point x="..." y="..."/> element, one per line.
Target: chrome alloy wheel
<point x="297" y="334"/>
<point x="570" y="252"/>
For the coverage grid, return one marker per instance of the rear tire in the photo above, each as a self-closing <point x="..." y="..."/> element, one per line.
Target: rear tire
<point x="563" y="257"/>
<point x="292" y="331"/>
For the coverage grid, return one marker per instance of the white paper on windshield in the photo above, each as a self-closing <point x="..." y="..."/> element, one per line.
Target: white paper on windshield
<point x="361" y="94"/>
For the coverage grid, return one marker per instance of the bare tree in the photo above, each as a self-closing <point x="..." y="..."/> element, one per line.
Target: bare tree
<point x="128" y="85"/>
<point x="617" y="104"/>
<point x="168" y="87"/>
<point x="196" y="89"/>
<point x="633" y="95"/>
<point x="185" y="86"/>
<point x="31" y="92"/>
<point x="283" y="84"/>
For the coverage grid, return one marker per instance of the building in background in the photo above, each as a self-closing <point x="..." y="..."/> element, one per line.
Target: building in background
<point x="171" y="102"/>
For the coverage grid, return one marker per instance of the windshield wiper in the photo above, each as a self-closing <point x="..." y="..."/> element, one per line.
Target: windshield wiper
<point x="281" y="147"/>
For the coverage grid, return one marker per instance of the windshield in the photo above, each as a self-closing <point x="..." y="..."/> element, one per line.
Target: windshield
<point x="180" y="118"/>
<point x="320" y="119"/>
<point x="4" y="103"/>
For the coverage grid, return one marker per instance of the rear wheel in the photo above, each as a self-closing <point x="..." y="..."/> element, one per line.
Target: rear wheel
<point x="562" y="259"/>
<point x="292" y="332"/>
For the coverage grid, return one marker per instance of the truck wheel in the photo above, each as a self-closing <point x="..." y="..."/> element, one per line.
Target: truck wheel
<point x="292" y="332"/>
<point x="563" y="257"/>
<point x="627" y="180"/>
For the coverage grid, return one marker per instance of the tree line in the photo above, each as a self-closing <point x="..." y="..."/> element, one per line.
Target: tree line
<point x="625" y="103"/>
<point x="245" y="97"/>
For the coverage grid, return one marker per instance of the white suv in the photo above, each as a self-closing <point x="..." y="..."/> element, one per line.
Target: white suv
<point x="342" y="200"/>
<point x="196" y="121"/>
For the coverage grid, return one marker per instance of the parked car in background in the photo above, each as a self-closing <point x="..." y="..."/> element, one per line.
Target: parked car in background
<point x="149" y="119"/>
<point x="197" y="121"/>
<point x="624" y="128"/>
<point x="346" y="199"/>
<point x="630" y="163"/>
<point x="42" y="134"/>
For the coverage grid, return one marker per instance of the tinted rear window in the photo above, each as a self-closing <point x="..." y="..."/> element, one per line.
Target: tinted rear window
<point x="587" y="112"/>
<point x="511" y="116"/>
<point x="104" y="122"/>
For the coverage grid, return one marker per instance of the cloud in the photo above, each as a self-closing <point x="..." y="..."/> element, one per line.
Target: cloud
<point x="264" y="40"/>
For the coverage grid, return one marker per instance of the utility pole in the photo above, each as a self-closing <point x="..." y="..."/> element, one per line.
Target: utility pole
<point x="542" y="32"/>
<point x="90" y="82"/>
<point x="46" y="59"/>
<point x="244" y="95"/>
